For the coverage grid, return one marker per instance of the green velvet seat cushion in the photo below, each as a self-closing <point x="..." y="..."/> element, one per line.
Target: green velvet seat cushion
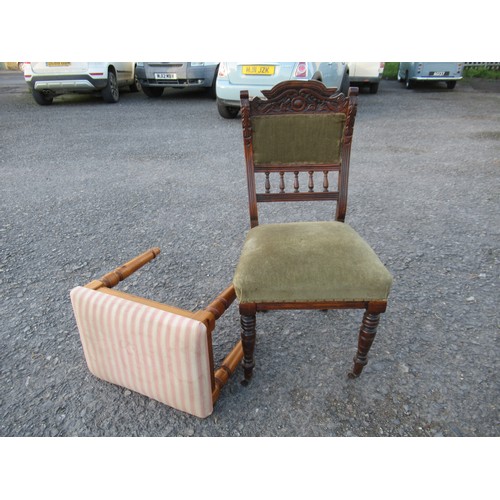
<point x="309" y="262"/>
<point x="298" y="139"/>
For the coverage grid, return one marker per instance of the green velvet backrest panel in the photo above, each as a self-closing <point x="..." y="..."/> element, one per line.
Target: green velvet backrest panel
<point x="298" y="139"/>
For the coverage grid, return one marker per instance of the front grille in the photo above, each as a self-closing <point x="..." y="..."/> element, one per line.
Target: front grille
<point x="165" y="65"/>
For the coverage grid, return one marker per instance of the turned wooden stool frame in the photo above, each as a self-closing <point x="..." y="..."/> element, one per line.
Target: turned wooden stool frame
<point x="302" y="97"/>
<point x="208" y="316"/>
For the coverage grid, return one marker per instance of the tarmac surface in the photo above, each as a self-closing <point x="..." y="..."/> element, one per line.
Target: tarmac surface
<point x="86" y="186"/>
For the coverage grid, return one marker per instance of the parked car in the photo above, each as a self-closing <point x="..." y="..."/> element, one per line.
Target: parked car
<point x="448" y="72"/>
<point x="154" y="77"/>
<point x="366" y="74"/>
<point x="255" y="77"/>
<point x="50" y="79"/>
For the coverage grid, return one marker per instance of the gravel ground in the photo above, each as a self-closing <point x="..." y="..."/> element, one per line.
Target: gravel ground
<point x="86" y="186"/>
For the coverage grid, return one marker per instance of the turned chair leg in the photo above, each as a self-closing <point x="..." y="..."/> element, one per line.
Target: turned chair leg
<point x="248" y="343"/>
<point x="365" y="340"/>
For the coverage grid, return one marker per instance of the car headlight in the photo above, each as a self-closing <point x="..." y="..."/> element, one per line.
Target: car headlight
<point x="197" y="64"/>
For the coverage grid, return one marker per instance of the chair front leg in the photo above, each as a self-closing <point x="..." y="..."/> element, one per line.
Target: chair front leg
<point x="366" y="336"/>
<point x="248" y="342"/>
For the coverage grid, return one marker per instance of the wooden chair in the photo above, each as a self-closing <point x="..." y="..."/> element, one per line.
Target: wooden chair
<point x="301" y="128"/>
<point x="157" y="350"/>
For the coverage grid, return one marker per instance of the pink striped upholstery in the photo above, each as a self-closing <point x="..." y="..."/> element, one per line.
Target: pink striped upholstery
<point x="156" y="353"/>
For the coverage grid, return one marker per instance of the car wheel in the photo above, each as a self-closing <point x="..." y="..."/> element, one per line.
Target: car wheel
<point x="373" y="88"/>
<point x="152" y="91"/>
<point x="408" y="82"/>
<point x="451" y="85"/>
<point x="110" y="93"/>
<point x="136" y="86"/>
<point x="42" y="99"/>
<point x="227" y="111"/>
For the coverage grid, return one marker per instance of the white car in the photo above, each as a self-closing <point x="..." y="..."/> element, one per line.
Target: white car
<point x="254" y="77"/>
<point x="366" y="73"/>
<point x="47" y="80"/>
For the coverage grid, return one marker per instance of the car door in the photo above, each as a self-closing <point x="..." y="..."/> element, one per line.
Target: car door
<point x="124" y="72"/>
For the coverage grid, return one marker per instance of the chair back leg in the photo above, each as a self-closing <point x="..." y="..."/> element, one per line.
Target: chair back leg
<point x="367" y="334"/>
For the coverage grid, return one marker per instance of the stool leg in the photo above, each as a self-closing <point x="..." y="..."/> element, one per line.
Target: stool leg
<point x="365" y="340"/>
<point x="248" y="343"/>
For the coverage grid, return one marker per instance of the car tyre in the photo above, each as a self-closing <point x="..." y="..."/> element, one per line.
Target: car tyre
<point x="451" y="85"/>
<point x="408" y="82"/>
<point x="374" y="88"/>
<point x="227" y="111"/>
<point x="136" y="86"/>
<point x="153" y="91"/>
<point x="41" y="98"/>
<point x="111" y="93"/>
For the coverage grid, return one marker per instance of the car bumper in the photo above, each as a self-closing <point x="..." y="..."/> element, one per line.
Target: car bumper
<point x="365" y="79"/>
<point x="69" y="83"/>
<point x="150" y="82"/>
<point x="185" y="77"/>
<point x="229" y="94"/>
<point x="436" y="78"/>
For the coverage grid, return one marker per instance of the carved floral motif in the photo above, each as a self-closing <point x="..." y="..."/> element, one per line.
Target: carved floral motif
<point x="294" y="97"/>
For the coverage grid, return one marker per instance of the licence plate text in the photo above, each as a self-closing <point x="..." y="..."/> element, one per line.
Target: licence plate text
<point x="165" y="76"/>
<point x="56" y="64"/>
<point x="258" y="70"/>
<point x="439" y="73"/>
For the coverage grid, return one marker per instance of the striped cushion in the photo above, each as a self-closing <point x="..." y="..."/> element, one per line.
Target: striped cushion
<point x="154" y="352"/>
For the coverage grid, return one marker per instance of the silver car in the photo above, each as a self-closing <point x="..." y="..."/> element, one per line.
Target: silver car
<point x="254" y="77"/>
<point x="154" y="77"/>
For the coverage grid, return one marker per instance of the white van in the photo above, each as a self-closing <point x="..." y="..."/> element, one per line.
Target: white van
<point x="154" y="77"/>
<point x="366" y="74"/>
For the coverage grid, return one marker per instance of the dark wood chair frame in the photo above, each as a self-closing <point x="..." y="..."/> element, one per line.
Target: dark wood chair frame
<point x="302" y="97"/>
<point x="209" y="315"/>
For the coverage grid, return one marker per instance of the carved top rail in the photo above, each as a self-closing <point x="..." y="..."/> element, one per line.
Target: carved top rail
<point x="294" y="96"/>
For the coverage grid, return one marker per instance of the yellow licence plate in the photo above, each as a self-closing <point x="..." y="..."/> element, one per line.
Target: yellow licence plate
<point x="58" y="64"/>
<point x="258" y="70"/>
